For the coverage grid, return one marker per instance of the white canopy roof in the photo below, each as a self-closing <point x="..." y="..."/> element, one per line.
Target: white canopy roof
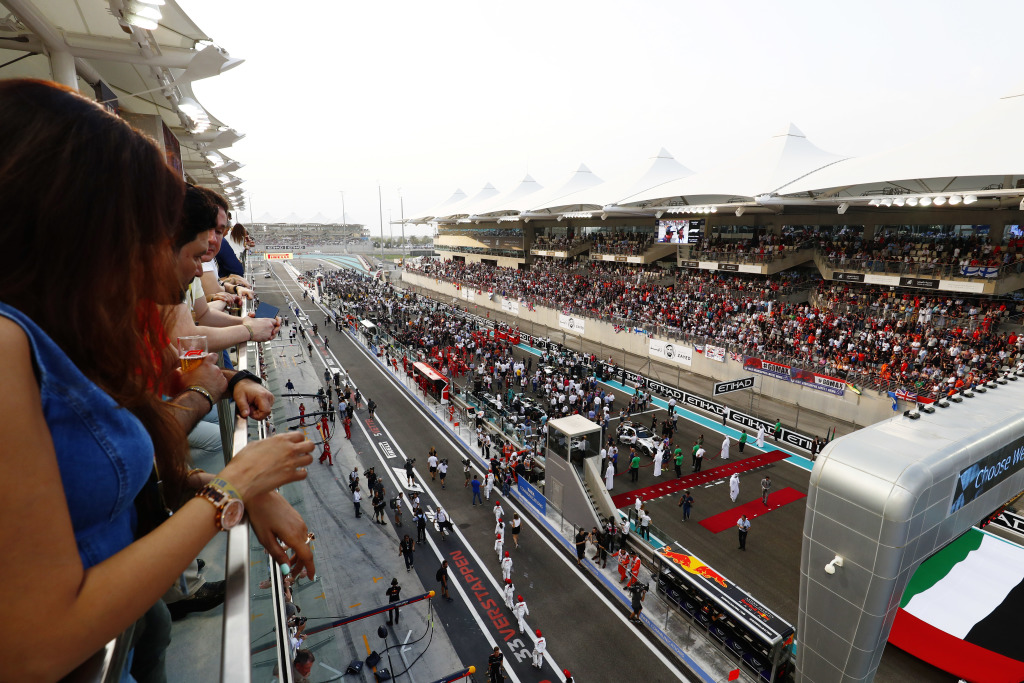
<point x="486" y="193"/>
<point x="549" y="202"/>
<point x="509" y="203"/>
<point x="646" y="175"/>
<point x="267" y="218"/>
<point x="292" y="219"/>
<point x="319" y="218"/>
<point x="148" y="71"/>
<point x="442" y="209"/>
<point x="979" y="151"/>
<point x="763" y="170"/>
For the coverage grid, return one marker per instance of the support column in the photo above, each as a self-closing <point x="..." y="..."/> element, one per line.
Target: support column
<point x="62" y="68"/>
<point x="869" y="232"/>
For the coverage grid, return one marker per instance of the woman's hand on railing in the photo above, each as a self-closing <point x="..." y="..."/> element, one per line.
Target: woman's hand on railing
<point x="253" y="400"/>
<point x="281" y="529"/>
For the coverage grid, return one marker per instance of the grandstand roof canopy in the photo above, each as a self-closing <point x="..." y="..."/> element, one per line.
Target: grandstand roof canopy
<point x="656" y="171"/>
<point x="486" y="193"/>
<point x="763" y="170"/>
<point x="978" y="152"/>
<point x="510" y="202"/>
<point x="560" y="198"/>
<point x="977" y="164"/>
<point x="147" y="70"/>
<point x="442" y="209"/>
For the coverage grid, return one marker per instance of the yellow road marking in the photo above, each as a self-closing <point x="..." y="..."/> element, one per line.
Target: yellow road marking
<point x="377" y="578"/>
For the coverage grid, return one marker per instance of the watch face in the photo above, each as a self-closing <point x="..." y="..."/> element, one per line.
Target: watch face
<point x="232" y="514"/>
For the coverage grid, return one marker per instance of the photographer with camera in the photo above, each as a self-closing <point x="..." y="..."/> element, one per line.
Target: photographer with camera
<point x="637" y="593"/>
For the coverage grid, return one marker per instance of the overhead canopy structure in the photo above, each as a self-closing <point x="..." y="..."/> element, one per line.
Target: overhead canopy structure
<point x="507" y="204"/>
<point x="134" y="59"/>
<point x="442" y="209"/>
<point x="655" y="171"/>
<point x="456" y="211"/>
<point x="560" y="198"/>
<point x="762" y="170"/>
<point x="982" y="152"/>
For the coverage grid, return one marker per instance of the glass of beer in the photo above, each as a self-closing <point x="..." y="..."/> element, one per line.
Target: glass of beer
<point x="191" y="351"/>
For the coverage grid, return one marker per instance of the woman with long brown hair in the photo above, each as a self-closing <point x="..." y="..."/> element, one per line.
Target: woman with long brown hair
<point x="90" y="211"/>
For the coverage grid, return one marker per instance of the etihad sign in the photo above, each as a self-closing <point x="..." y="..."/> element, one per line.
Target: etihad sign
<point x="279" y="256"/>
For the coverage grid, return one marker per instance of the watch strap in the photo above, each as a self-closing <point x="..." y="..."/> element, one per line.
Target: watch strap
<point x="238" y="377"/>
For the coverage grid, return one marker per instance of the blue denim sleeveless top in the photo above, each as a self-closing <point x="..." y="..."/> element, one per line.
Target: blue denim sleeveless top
<point x="104" y="453"/>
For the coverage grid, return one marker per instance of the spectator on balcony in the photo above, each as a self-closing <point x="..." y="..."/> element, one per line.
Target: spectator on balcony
<point x="84" y="352"/>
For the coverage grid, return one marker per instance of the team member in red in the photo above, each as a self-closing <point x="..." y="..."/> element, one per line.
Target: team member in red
<point x="302" y="414"/>
<point x="326" y="455"/>
<point x="348" y="427"/>
<point x="634" y="571"/>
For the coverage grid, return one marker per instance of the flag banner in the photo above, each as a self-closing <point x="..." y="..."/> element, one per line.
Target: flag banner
<point x="715" y="353"/>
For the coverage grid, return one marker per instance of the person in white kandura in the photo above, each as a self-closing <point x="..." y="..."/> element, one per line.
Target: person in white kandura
<point x="725" y="448"/>
<point x="499" y="512"/>
<point x="638" y="504"/>
<point x="488" y="484"/>
<point x="734" y="487"/>
<point x="510" y="593"/>
<point x="659" y="457"/>
<point x="506" y="566"/>
<point x="760" y="436"/>
<point x="521" y="610"/>
<point x="609" y="476"/>
<point x="539" y="646"/>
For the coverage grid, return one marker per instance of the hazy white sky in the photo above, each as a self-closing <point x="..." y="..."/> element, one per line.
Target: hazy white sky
<point x="341" y="95"/>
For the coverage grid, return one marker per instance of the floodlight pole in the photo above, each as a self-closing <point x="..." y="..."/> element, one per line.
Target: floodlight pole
<point x="401" y="205"/>
<point x="380" y="215"/>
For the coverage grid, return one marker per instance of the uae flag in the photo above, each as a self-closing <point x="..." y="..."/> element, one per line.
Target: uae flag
<point x="962" y="608"/>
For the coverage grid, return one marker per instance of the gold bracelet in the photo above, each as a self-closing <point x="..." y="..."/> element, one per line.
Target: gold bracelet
<point x="202" y="392"/>
<point x="250" y="330"/>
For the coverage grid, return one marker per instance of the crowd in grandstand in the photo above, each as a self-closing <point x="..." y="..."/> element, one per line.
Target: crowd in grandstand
<point x="764" y="247"/>
<point x="929" y="349"/>
<point x="939" y="254"/>
<point x="621" y="242"/>
<point x="557" y="243"/>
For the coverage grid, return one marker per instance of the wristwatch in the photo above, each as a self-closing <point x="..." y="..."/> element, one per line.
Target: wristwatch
<point x="238" y="377"/>
<point x="224" y="497"/>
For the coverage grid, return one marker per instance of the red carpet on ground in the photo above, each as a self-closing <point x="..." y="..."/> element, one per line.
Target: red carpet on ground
<point x="670" y="486"/>
<point x="755" y="508"/>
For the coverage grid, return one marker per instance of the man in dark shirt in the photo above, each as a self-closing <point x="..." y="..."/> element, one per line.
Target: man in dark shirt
<point x="393" y="592"/>
<point x="494" y="671"/>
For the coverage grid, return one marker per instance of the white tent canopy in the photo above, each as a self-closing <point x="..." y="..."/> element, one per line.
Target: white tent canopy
<point x="267" y="218"/>
<point x="646" y="175"/>
<point x="763" y="170"/>
<point x="319" y="218"/>
<point x="978" y="152"/>
<point x="487" y="192"/>
<point x="292" y="219"/>
<point x="441" y="209"/>
<point x="509" y="203"/>
<point x="548" y="203"/>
